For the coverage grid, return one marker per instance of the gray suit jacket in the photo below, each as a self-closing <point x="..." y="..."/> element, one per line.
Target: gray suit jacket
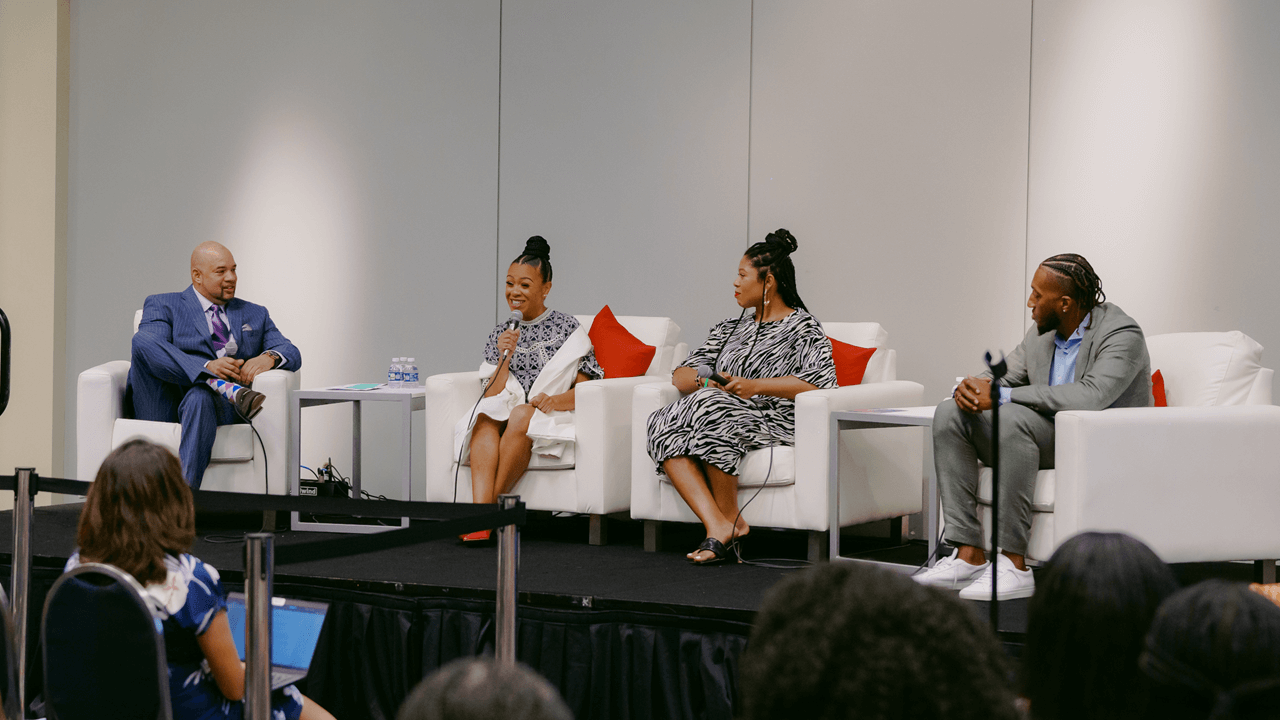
<point x="1112" y="369"/>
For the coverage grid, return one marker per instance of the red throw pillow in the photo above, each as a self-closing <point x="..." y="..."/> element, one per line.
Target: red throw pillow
<point x="851" y="362"/>
<point x="1157" y="389"/>
<point x="619" y="353"/>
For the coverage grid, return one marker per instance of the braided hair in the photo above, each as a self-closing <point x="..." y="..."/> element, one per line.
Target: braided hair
<point x="536" y="254"/>
<point x="1082" y="284"/>
<point x="774" y="256"/>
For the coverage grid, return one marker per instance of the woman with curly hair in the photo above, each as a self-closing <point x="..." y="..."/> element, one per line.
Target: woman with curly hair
<point x="854" y="641"/>
<point x="139" y="517"/>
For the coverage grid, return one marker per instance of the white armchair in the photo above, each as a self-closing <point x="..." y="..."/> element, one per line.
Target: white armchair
<point x="236" y="464"/>
<point x="595" y="478"/>
<point x="1198" y="481"/>
<point x="880" y="470"/>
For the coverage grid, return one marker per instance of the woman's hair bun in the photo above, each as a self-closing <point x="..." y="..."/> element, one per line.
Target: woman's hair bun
<point x="783" y="237"/>
<point x="537" y="247"/>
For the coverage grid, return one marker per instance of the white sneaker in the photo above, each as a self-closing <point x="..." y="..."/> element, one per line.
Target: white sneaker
<point x="951" y="573"/>
<point x="1011" y="583"/>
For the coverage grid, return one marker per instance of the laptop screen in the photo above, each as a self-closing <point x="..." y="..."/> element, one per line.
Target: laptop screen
<point x="295" y="629"/>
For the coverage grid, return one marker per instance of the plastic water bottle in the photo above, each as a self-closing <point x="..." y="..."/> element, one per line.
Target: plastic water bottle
<point x="411" y="374"/>
<point x="400" y="364"/>
<point x="394" y="375"/>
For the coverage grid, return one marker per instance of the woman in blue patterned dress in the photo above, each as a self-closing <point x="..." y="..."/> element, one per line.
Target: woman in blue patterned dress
<point x="781" y="351"/>
<point x="139" y="517"/>
<point x="530" y="373"/>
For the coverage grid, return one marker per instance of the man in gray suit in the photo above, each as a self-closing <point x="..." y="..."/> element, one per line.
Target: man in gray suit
<point x="1083" y="354"/>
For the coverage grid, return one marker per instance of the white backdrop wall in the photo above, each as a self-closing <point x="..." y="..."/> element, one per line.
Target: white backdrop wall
<point x="376" y="166"/>
<point x="1155" y="152"/>
<point x="891" y="138"/>
<point x="346" y="153"/>
<point x="624" y="143"/>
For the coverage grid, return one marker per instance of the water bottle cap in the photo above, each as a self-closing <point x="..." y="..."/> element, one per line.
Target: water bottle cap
<point x="413" y="360"/>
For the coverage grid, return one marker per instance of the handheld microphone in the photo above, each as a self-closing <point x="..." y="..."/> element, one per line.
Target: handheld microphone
<point x="706" y="373"/>
<point x="513" y="322"/>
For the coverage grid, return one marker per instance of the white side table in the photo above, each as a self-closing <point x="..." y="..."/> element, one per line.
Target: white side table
<point x="410" y="399"/>
<point x="880" y="418"/>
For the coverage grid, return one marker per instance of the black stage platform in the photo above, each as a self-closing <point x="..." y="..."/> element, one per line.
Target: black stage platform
<point x="622" y="633"/>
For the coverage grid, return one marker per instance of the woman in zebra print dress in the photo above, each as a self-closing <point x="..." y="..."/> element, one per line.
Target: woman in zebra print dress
<point x="768" y="359"/>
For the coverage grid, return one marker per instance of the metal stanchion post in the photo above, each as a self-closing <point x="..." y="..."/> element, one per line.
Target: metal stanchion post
<point x="259" y="561"/>
<point x="20" y="579"/>
<point x="998" y="370"/>
<point x="508" y="561"/>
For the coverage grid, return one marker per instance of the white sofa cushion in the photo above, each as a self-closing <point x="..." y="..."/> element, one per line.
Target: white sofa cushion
<point x="1206" y="368"/>
<point x="660" y="332"/>
<point x="866" y="335"/>
<point x="1042" y="496"/>
<point x="566" y="461"/>
<point x="758" y="468"/>
<point x="862" y="334"/>
<point x="232" y="443"/>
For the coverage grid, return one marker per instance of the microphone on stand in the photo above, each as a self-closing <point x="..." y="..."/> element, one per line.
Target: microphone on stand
<point x="706" y="373"/>
<point x="513" y="322"/>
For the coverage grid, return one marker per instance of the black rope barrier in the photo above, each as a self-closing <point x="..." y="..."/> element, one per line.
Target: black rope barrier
<point x="330" y="548"/>
<point x="448" y="519"/>
<point x="220" y="501"/>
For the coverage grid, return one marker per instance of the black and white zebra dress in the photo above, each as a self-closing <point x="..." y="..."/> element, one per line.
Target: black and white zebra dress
<point x="719" y="428"/>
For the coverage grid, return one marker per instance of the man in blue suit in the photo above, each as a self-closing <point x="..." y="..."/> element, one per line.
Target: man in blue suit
<point x="195" y="353"/>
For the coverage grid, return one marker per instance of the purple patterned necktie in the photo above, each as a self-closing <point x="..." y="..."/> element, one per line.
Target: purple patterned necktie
<point x="220" y="334"/>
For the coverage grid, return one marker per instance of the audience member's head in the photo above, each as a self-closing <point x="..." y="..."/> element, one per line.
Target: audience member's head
<point x="138" y="510"/>
<point x="1086" y="624"/>
<point x="1213" y="651"/>
<point x="852" y="641"/>
<point x="482" y="689"/>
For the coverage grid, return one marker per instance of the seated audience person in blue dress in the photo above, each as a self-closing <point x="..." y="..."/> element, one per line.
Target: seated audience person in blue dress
<point x="1086" y="625"/>
<point x="846" y="641"/>
<point x="482" y="689"/>
<point x="530" y="372"/>
<point x="778" y="353"/>
<point x="139" y="517"/>
<point x="1213" y="651"/>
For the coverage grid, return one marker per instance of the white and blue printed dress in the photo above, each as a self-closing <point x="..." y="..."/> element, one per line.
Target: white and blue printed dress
<point x="720" y="428"/>
<point x="540" y="338"/>
<point x="188" y="600"/>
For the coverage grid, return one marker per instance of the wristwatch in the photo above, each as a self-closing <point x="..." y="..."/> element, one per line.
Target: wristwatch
<point x="277" y="357"/>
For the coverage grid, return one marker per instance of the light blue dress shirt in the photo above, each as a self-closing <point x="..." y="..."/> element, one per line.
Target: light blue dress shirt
<point x="1065" y="353"/>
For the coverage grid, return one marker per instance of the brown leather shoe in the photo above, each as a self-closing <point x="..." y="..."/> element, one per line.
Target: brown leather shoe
<point x="249" y="402"/>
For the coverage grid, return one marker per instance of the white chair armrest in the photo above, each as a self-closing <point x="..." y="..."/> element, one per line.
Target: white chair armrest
<point x="272" y="423"/>
<point x="99" y="402"/>
<point x="603" y="422"/>
<point x="1197" y="484"/>
<point x="645" y="490"/>
<point x="448" y="397"/>
<point x="681" y="352"/>
<point x="880" y="470"/>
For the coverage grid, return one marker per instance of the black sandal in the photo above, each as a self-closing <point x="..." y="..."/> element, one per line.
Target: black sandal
<point x="719" y="553"/>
